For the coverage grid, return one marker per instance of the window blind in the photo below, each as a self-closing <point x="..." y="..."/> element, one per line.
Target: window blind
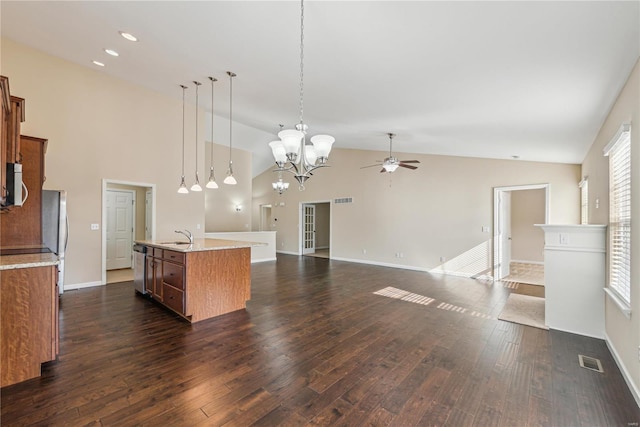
<point x="584" y="201"/>
<point x="620" y="215"/>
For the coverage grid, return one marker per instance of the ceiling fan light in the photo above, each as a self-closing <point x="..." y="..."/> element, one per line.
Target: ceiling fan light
<point x="322" y="145"/>
<point x="390" y="167"/>
<point x="291" y="139"/>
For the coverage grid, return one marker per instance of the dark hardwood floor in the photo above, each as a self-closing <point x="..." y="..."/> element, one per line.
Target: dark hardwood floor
<point x="317" y="346"/>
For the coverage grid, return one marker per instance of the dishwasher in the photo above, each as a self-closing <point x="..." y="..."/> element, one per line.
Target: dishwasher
<point x="140" y="268"/>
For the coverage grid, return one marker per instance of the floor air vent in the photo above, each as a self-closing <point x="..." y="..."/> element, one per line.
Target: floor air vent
<point x="590" y="363"/>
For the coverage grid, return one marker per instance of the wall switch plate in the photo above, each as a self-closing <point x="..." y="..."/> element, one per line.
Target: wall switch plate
<point x="95" y="226"/>
<point x="485" y="228"/>
<point x="197" y="226"/>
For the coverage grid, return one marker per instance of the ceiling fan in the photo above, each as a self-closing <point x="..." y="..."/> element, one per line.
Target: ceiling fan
<point x="391" y="163"/>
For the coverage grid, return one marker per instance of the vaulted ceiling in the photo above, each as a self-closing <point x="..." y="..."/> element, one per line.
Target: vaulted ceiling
<point x="483" y="79"/>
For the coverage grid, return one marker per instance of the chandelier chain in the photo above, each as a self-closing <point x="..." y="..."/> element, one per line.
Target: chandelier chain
<point x="302" y="62"/>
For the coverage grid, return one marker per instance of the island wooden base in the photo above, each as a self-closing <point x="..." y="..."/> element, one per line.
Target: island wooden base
<point x="199" y="285"/>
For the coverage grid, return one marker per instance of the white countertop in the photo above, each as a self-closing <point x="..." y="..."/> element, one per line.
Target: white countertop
<point x="10" y="262"/>
<point x="199" y="244"/>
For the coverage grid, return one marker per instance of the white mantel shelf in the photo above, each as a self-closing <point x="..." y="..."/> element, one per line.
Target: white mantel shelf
<point x="574" y="270"/>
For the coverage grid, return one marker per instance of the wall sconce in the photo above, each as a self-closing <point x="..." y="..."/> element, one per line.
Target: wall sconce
<point x="238" y="208"/>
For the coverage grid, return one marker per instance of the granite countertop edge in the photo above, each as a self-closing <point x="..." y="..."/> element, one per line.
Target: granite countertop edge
<point x="13" y="262"/>
<point x="200" y="245"/>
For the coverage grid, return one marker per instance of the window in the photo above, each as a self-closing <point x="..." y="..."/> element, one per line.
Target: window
<point x="584" y="201"/>
<point x="619" y="152"/>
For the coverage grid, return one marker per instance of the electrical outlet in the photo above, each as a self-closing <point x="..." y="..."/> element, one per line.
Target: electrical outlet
<point x="564" y="239"/>
<point x="485" y="228"/>
<point x="364" y="252"/>
<point x="95" y="226"/>
<point x="442" y="259"/>
<point x="638" y="353"/>
<point x="197" y="226"/>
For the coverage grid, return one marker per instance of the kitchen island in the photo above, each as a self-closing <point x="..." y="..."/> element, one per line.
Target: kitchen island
<point x="199" y="280"/>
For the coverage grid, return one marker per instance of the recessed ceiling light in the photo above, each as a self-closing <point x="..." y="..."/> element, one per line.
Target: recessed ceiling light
<point x="98" y="63"/>
<point x="129" y="36"/>
<point x="112" y="52"/>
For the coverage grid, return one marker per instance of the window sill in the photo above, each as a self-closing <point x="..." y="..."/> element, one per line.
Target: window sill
<point x="623" y="306"/>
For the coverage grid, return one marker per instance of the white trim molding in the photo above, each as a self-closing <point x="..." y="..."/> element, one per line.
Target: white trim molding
<point x="622" y="306"/>
<point x="623" y="370"/>
<point x="83" y="285"/>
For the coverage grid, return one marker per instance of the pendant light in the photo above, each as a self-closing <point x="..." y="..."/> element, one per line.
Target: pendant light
<point x="230" y="179"/>
<point x="299" y="158"/>
<point x="196" y="185"/>
<point x="183" y="187"/>
<point x="212" y="177"/>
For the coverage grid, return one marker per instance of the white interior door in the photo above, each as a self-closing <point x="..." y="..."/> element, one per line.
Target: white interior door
<point x="148" y="205"/>
<point x="119" y="229"/>
<point x="505" y="234"/>
<point x="309" y="230"/>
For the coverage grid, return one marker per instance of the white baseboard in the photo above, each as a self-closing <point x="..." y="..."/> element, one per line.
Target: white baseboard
<point x="253" y="261"/>
<point x="83" y="285"/>
<point x="322" y="247"/>
<point x="625" y="374"/>
<point x="287" y="253"/>
<point x="522" y="261"/>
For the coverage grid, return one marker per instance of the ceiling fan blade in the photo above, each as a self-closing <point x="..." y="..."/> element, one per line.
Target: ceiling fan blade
<point x="409" y="161"/>
<point x="407" y="166"/>
<point x="370" y="166"/>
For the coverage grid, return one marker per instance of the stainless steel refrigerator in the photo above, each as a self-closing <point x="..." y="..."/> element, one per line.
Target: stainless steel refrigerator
<point x="55" y="227"/>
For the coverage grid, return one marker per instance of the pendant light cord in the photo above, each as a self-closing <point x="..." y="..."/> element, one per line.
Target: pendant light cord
<point x="231" y="76"/>
<point x="197" y="84"/>
<point x="184" y="88"/>
<point x="212" y="81"/>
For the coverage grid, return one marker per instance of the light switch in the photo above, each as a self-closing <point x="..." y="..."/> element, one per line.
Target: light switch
<point x="95" y="226"/>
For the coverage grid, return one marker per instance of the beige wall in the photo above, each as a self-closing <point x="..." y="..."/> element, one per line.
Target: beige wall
<point x="220" y="212"/>
<point x="100" y="127"/>
<point x="527" y="208"/>
<point x="622" y="333"/>
<point x="435" y="211"/>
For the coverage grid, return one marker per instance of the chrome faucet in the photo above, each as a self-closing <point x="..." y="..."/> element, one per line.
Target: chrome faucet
<point x="187" y="234"/>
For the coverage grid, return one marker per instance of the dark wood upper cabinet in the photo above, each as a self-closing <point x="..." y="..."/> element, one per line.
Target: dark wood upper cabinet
<point x="23" y="225"/>
<point x="13" y="114"/>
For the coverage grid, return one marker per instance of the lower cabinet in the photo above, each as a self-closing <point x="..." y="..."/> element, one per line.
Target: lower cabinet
<point x="29" y="322"/>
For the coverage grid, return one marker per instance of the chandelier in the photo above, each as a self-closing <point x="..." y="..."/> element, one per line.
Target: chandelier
<point x="291" y="152"/>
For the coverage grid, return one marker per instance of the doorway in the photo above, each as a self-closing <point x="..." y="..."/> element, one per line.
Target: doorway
<point x="266" y="221"/>
<point x="315" y="230"/>
<point x="517" y="244"/>
<point x="128" y="214"/>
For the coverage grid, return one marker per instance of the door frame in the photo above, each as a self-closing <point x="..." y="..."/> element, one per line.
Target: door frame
<point x="495" y="240"/>
<point x="105" y="183"/>
<point x="301" y="224"/>
<point x="133" y="218"/>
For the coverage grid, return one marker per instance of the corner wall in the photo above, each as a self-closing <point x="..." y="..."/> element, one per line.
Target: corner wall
<point x="622" y="333"/>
